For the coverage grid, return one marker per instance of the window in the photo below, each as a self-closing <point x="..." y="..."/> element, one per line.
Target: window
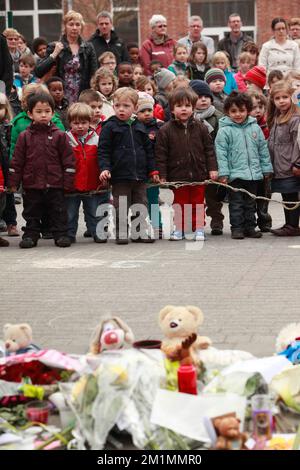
<point x="34" y="18"/>
<point x="215" y="15"/>
<point x="126" y="19"/>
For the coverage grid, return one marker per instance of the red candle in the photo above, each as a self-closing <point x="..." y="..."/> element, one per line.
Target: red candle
<point x="187" y="379"/>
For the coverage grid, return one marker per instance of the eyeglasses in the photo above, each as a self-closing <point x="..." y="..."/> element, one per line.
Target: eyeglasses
<point x="162" y="26"/>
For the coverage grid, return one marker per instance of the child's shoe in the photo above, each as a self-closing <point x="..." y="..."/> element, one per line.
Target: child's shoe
<point x="27" y="243"/>
<point x="12" y="231"/>
<point x="199" y="235"/>
<point x="87" y="234"/>
<point x="216" y="231"/>
<point x="63" y="242"/>
<point x="176" y="236"/>
<point x="3" y="242"/>
<point x="237" y="234"/>
<point x="252" y="233"/>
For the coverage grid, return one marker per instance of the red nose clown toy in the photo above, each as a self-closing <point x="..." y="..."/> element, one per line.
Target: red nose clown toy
<point x="112" y="333"/>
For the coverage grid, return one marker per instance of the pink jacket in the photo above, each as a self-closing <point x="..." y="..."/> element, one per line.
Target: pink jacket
<point x="162" y="52"/>
<point x="240" y="81"/>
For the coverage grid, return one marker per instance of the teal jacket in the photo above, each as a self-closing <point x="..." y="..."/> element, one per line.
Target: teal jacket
<point x="178" y="68"/>
<point x="20" y="123"/>
<point x="242" y="150"/>
<point x="230" y="84"/>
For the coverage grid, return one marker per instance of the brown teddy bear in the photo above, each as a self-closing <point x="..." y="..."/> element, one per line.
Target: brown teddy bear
<point x="229" y="435"/>
<point x="18" y="339"/>
<point x="180" y="326"/>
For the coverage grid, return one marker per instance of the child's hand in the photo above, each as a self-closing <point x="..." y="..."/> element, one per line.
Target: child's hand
<point x="268" y="176"/>
<point x="57" y="50"/>
<point x="223" y="179"/>
<point x="296" y="171"/>
<point x="155" y="179"/>
<point x="213" y="175"/>
<point x="105" y="176"/>
<point x="12" y="189"/>
<point x="162" y="180"/>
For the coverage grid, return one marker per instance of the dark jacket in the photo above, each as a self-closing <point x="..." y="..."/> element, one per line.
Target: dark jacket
<point x="62" y="112"/>
<point x="194" y="74"/>
<point x="5" y="131"/>
<point x="152" y="129"/>
<point x="185" y="153"/>
<point x="228" y="46"/>
<point x="125" y="150"/>
<point x="43" y="158"/>
<point x="87" y="58"/>
<point x="6" y="65"/>
<point x="115" y="45"/>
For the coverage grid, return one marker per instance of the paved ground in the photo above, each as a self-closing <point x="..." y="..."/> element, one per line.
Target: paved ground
<point x="247" y="289"/>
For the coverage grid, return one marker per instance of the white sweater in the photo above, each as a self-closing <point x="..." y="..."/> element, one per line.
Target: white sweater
<point x="284" y="57"/>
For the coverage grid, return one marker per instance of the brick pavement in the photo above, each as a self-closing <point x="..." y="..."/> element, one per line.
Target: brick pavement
<point x="247" y="289"/>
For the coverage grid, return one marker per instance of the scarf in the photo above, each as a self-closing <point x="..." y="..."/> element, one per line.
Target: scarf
<point x="159" y="40"/>
<point x="202" y="115"/>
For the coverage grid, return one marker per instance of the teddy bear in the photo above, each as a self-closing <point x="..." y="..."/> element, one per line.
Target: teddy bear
<point x="18" y="339"/>
<point x="180" y="325"/>
<point x="111" y="333"/>
<point x="229" y="435"/>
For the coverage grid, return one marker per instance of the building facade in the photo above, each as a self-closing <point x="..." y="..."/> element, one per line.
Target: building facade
<point x="131" y="17"/>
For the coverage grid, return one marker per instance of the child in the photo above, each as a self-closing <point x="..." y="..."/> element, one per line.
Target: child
<point x="185" y="152"/>
<point x="215" y="78"/>
<point x="256" y="79"/>
<point x="179" y="65"/>
<point x="94" y="100"/>
<point x="43" y="162"/>
<point x="197" y="62"/>
<point x="253" y="50"/>
<point x="294" y="77"/>
<point x="84" y="142"/>
<point x="7" y="206"/>
<point x="206" y="113"/>
<point x="39" y="47"/>
<point x="259" y="108"/>
<point x="244" y="66"/>
<point x="221" y="61"/>
<point x="137" y="72"/>
<point x="134" y="52"/>
<point x="181" y="82"/>
<point x="126" y="157"/>
<point x="56" y="88"/>
<point x="125" y="75"/>
<point x="145" y="115"/>
<point x="105" y="83"/>
<point x="108" y="61"/>
<point x="24" y="77"/>
<point x="154" y="67"/>
<point x="164" y="80"/>
<point x="274" y="77"/>
<point x="243" y="160"/>
<point x="283" y="120"/>
<point x="147" y="85"/>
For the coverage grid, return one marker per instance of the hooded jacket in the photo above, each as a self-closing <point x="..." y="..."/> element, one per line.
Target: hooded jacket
<point x="125" y="151"/>
<point x="242" y="150"/>
<point x="184" y="153"/>
<point x="43" y="158"/>
<point x="114" y="45"/>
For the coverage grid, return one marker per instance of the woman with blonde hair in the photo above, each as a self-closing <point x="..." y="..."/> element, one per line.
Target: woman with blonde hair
<point x="75" y="59"/>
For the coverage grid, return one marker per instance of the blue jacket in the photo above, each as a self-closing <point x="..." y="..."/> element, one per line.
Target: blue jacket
<point x="19" y="82"/>
<point x="230" y="84"/>
<point x="242" y="150"/>
<point x="125" y="150"/>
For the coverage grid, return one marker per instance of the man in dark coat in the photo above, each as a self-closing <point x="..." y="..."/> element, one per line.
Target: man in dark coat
<point x="6" y="67"/>
<point x="105" y="39"/>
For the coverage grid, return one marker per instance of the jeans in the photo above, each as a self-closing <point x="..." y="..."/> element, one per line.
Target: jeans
<point x="90" y="205"/>
<point x="10" y="213"/>
<point x="242" y="208"/>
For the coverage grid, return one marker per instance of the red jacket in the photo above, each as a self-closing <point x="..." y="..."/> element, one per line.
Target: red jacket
<point x="42" y="159"/>
<point x="162" y="52"/>
<point x="158" y="112"/>
<point x="87" y="167"/>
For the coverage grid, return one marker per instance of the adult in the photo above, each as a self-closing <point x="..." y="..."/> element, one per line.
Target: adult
<point x="280" y="53"/>
<point x="75" y="59"/>
<point x="158" y="46"/>
<point x="6" y="67"/>
<point x="294" y="25"/>
<point x="105" y="39"/>
<point x="195" y="30"/>
<point x="234" y="40"/>
<point x="12" y="38"/>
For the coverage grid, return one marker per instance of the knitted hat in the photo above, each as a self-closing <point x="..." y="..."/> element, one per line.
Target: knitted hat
<point x="257" y="76"/>
<point x="145" y="101"/>
<point x="201" y="88"/>
<point x="214" y="74"/>
<point x="163" y="78"/>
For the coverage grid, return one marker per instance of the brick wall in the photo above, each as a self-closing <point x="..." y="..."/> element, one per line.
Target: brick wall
<point x="266" y="10"/>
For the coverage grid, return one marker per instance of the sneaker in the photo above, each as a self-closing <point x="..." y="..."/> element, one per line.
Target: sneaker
<point x="27" y="243"/>
<point x="286" y="231"/>
<point x="99" y="240"/>
<point x="12" y="231"/>
<point x="176" y="236"/>
<point x="237" y="234"/>
<point x="3" y="242"/>
<point x="87" y="234"/>
<point x="252" y="233"/>
<point x="199" y="235"/>
<point x="47" y="236"/>
<point x="216" y="231"/>
<point x="63" y="242"/>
